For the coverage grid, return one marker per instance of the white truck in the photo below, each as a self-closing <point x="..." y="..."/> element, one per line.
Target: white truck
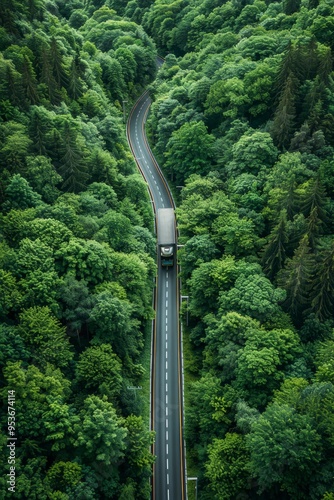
<point x="166" y="236"/>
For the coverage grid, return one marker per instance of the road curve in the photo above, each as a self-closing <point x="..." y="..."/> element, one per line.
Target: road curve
<point x="166" y="390"/>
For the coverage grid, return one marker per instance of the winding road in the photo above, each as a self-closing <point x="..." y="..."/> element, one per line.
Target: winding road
<point x="166" y="389"/>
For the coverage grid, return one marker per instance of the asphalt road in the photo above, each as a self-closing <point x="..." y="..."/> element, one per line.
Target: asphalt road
<point x="168" y="474"/>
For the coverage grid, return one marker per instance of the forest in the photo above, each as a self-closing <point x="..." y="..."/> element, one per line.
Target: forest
<point x="77" y="252"/>
<point x="242" y="124"/>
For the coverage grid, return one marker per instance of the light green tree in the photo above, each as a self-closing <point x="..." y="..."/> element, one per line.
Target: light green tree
<point x="101" y="434"/>
<point x="227" y="467"/>
<point x="45" y="337"/>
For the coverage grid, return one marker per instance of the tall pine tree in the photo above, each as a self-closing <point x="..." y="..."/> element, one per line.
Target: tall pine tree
<point x="29" y="81"/>
<point x="283" y="123"/>
<point x="274" y="252"/>
<point x="295" y="278"/>
<point x="322" y="290"/>
<point x="72" y="167"/>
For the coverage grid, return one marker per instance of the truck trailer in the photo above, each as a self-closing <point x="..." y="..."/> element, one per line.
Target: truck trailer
<point x="166" y="236"/>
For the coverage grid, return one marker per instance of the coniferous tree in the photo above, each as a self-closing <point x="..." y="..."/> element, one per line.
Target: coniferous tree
<point x="275" y="251"/>
<point x="7" y="16"/>
<point x="290" y="201"/>
<point x="310" y="60"/>
<point x="291" y="6"/>
<point x="290" y="64"/>
<point x="322" y="291"/>
<point x="75" y="82"/>
<point x="29" y="81"/>
<point x="48" y="78"/>
<point x="12" y="83"/>
<point x="283" y="123"/>
<point x="55" y="146"/>
<point x="72" y="168"/>
<point x="315" y="197"/>
<point x="313" y="227"/>
<point x="35" y="9"/>
<point x="313" y="105"/>
<point x="38" y="128"/>
<point x="295" y="279"/>
<point x="325" y="65"/>
<point x="57" y="62"/>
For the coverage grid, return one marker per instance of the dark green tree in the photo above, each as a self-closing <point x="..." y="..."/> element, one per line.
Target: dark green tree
<point x="72" y="166"/>
<point x="47" y="77"/>
<point x="285" y="450"/>
<point x="77" y="304"/>
<point x="295" y="278"/>
<point x="314" y="228"/>
<point x="39" y="126"/>
<point x="284" y="119"/>
<point x="57" y="62"/>
<point x="315" y="197"/>
<point x="291" y="6"/>
<point x="29" y="82"/>
<point x="274" y="253"/>
<point x="75" y="84"/>
<point x="322" y="285"/>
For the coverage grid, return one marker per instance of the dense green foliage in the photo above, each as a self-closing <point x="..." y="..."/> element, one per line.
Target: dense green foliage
<point x="242" y="118"/>
<point x="76" y="251"/>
